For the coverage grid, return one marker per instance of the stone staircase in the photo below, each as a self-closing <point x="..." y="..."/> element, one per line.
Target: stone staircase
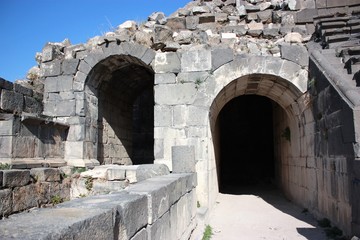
<point x="339" y="36"/>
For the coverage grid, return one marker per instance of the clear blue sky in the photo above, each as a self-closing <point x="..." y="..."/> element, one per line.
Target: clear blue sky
<point x="27" y="25"/>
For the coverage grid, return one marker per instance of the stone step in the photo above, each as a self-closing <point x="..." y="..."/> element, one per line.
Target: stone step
<point x="330" y="25"/>
<point x="335" y="31"/>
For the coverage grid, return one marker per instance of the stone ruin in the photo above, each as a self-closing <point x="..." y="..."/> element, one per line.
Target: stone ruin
<point x="221" y="92"/>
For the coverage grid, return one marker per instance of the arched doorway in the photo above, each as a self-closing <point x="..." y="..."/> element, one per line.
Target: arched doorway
<point x="255" y="132"/>
<point x="246" y="142"/>
<point x="120" y="111"/>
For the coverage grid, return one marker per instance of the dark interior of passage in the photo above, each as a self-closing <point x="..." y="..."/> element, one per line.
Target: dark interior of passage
<point x="246" y="143"/>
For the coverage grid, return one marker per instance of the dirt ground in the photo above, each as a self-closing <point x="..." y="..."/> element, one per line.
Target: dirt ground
<point x="265" y="214"/>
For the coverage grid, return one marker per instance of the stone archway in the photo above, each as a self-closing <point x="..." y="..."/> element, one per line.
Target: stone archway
<point x="120" y="111"/>
<point x="281" y="97"/>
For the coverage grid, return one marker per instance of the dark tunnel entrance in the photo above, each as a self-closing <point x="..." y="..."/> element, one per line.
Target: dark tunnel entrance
<point x="246" y="143"/>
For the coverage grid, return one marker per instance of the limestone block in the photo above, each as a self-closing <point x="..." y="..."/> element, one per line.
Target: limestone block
<point x="221" y="56"/>
<point x="197" y="116"/>
<point x="23" y="90"/>
<point x="167" y="62"/>
<point x="295" y="53"/>
<point x="164" y="78"/>
<point x="183" y="159"/>
<point x="174" y="94"/>
<point x="15" y="178"/>
<point x="158" y="197"/>
<point x="195" y="61"/>
<point x="176" y="23"/>
<point x="74" y="150"/>
<point x="221" y="17"/>
<point x="142" y="172"/>
<point x="60" y="223"/>
<point x="6" y="202"/>
<point x="306" y="15"/>
<point x="76" y="133"/>
<point x="238" y="30"/>
<point x="6" y="144"/>
<point x="162" y="116"/>
<point x="69" y="66"/>
<point x="255" y="29"/>
<point x="6" y="84"/>
<point x="58" y="84"/>
<point x="11" y="101"/>
<point x="24" y="198"/>
<point x="161" y="228"/>
<point x="46" y="174"/>
<point x="141" y="235"/>
<point x="180" y="115"/>
<point x="31" y="105"/>
<point x="148" y="56"/>
<point x="184" y="37"/>
<point x="65" y="108"/>
<point x="134" y="49"/>
<point x="48" y="53"/>
<point x="162" y="34"/>
<point x="50" y="68"/>
<point x="158" y="148"/>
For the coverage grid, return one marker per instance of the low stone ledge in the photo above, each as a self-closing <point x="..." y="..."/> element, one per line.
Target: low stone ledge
<point x="46" y="174"/>
<point x="15" y="178"/>
<point x="60" y="223"/>
<point x="131" y="210"/>
<point x="122" y="215"/>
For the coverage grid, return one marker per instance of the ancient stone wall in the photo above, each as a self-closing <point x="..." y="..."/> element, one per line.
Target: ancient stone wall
<point x="161" y="86"/>
<point x="25" y="189"/>
<point x="158" y="208"/>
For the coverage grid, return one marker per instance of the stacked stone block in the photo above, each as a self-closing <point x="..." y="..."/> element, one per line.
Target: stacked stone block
<point x="162" y="207"/>
<point x="24" y="189"/>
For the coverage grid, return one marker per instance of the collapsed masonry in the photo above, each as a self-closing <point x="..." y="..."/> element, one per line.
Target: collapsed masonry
<point x="204" y="77"/>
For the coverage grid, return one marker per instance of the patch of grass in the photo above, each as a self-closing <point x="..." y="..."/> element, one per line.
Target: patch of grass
<point x="5" y="166"/>
<point x="56" y="199"/>
<point x="89" y="183"/>
<point x="207" y="233"/>
<point x="79" y="169"/>
<point x="82" y="195"/>
<point x="286" y="134"/>
<point x="198" y="204"/>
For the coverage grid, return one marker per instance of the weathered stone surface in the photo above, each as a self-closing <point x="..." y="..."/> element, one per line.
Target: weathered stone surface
<point x="293" y="37"/>
<point x="164" y="78"/>
<point x="11" y="101"/>
<point x="162" y="34"/>
<point x="31" y="105"/>
<point x="46" y="174"/>
<point x="184" y="37"/>
<point x="158" y="17"/>
<point x="192" y="22"/>
<point x="23" y="90"/>
<point x="15" y="178"/>
<point x="295" y="53"/>
<point x="161" y="228"/>
<point x="58" y="84"/>
<point x="221" y="56"/>
<point x="6" y="84"/>
<point x="129" y="25"/>
<point x="176" y="24"/>
<point x="69" y="66"/>
<point x="306" y="15"/>
<point x="6" y="202"/>
<point x="255" y="29"/>
<point x="6" y="144"/>
<point x="167" y="62"/>
<point x="49" y="69"/>
<point x="265" y="16"/>
<point x="142" y="172"/>
<point x="194" y="61"/>
<point x="61" y="223"/>
<point x="183" y="159"/>
<point x="172" y="94"/>
<point x="163" y="116"/>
